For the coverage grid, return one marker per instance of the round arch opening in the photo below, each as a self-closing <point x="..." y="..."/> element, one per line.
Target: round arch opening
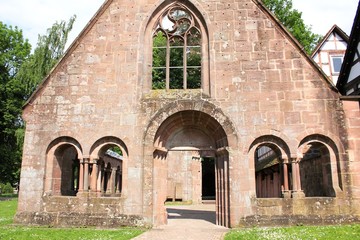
<point x="191" y="163"/>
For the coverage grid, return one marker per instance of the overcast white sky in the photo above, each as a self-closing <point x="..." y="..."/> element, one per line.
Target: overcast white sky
<point x="35" y="16"/>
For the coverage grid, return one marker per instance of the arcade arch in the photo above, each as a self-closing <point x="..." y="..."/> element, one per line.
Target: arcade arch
<point x="107" y="166"/>
<point x="62" y="175"/>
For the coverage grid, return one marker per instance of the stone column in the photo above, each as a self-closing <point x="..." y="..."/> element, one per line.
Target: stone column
<point x="81" y="175"/>
<point x="86" y="174"/>
<point x="285" y="192"/>
<point x="99" y="181"/>
<point x="297" y="192"/>
<point x="112" y="181"/>
<point x="217" y="186"/>
<point x="94" y="176"/>
<point x="226" y="192"/>
<point x="117" y="181"/>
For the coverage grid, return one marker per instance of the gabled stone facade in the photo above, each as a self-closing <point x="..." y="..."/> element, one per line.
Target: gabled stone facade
<point x="257" y="89"/>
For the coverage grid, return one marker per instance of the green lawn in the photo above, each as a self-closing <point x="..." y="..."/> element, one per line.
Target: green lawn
<point x="8" y="231"/>
<point x="344" y="232"/>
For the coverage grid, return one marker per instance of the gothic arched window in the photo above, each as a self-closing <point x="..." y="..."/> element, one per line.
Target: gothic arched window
<point x="176" y="50"/>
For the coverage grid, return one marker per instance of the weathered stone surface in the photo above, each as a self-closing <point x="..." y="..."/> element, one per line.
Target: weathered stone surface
<point x="258" y="88"/>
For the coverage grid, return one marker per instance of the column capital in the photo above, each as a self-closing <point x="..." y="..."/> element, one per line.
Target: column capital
<point x="296" y="160"/>
<point x="84" y="160"/>
<point x="94" y="161"/>
<point x="285" y="160"/>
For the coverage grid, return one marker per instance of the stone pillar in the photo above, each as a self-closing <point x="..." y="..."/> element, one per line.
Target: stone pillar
<point x="112" y="180"/>
<point x="217" y="186"/>
<point x="81" y="175"/>
<point x="86" y="174"/>
<point x="109" y="182"/>
<point x="94" y="176"/>
<point x="297" y="192"/>
<point x="226" y="192"/>
<point x="285" y="191"/>
<point x="99" y="185"/>
<point x="118" y="181"/>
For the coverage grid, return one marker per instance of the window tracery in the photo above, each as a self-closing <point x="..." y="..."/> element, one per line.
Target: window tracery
<point x="176" y="50"/>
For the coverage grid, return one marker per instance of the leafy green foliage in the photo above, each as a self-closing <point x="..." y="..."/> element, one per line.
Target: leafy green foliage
<point x="159" y="61"/>
<point x="176" y="51"/>
<point x="20" y="74"/>
<point x="14" y="51"/>
<point x="117" y="150"/>
<point x="6" y="188"/>
<point x="49" y="50"/>
<point x="291" y="19"/>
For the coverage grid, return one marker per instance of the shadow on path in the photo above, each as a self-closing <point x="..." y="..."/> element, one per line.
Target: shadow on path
<point x="177" y="213"/>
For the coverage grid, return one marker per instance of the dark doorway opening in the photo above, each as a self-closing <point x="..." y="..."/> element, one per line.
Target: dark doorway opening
<point x="208" y="178"/>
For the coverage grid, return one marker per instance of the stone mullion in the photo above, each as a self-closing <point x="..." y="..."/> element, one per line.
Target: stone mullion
<point x="168" y="63"/>
<point x="184" y="63"/>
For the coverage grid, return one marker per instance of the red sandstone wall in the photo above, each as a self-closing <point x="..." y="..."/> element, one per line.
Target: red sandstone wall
<point x="352" y="113"/>
<point x="258" y="78"/>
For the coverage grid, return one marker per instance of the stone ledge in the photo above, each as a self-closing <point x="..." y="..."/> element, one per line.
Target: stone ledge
<point x="73" y="219"/>
<point x="176" y="94"/>
<point x="290" y="220"/>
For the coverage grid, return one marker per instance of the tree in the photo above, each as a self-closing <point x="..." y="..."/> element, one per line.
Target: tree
<point x="49" y="50"/>
<point x="20" y="74"/>
<point x="291" y="19"/>
<point x="14" y="50"/>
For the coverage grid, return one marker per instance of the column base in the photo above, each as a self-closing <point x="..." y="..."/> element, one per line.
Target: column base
<point x="82" y="193"/>
<point x="286" y="194"/>
<point x="298" y="194"/>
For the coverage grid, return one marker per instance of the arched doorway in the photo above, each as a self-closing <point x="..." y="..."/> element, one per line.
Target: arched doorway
<point x="182" y="142"/>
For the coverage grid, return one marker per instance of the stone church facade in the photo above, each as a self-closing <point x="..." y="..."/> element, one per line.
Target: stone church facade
<point x="188" y="100"/>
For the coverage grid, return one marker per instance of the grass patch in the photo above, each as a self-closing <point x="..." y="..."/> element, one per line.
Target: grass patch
<point x="8" y="231"/>
<point x="342" y="232"/>
<point x="8" y="195"/>
<point x="7" y="211"/>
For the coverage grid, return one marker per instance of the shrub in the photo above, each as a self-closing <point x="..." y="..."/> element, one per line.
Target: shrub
<point x="6" y="188"/>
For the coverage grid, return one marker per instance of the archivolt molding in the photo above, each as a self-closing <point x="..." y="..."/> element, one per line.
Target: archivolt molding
<point x="183" y="105"/>
<point x="275" y="137"/>
<point x="333" y="149"/>
<point x="55" y="144"/>
<point x="108" y="140"/>
<point x="271" y="140"/>
<point x="321" y="136"/>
